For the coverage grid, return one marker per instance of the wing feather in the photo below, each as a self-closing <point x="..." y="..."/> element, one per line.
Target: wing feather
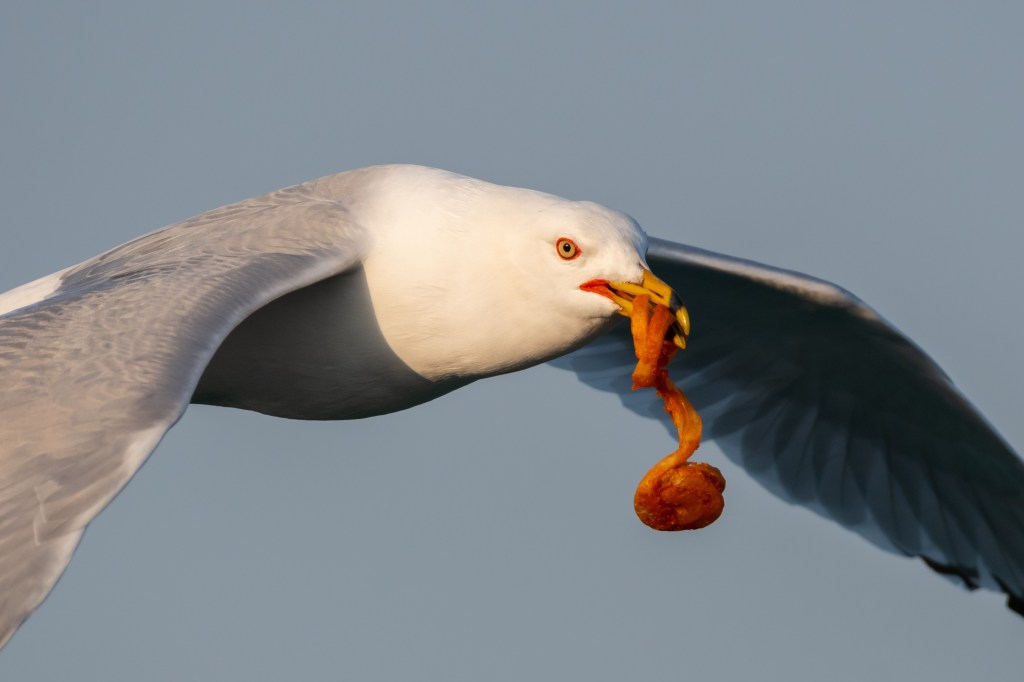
<point x="830" y="406"/>
<point x="95" y="373"/>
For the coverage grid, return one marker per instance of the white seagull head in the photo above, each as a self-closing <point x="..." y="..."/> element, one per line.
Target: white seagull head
<point x="472" y="279"/>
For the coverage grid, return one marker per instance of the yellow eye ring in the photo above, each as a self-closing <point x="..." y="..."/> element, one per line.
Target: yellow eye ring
<point x="567" y="248"/>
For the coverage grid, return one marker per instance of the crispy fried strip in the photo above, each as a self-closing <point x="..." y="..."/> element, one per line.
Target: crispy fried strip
<point x="687" y="421"/>
<point x="652" y="351"/>
<point x="675" y="494"/>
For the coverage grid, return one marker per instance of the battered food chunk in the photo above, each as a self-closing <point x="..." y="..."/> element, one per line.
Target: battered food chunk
<point x="675" y="494"/>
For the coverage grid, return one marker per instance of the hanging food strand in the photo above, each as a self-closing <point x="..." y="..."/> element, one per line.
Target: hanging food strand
<point x="675" y="494"/>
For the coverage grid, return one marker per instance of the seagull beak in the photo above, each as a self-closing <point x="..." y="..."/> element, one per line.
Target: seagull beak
<point x="623" y="294"/>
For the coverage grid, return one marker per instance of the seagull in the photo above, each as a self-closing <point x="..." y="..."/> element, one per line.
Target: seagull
<point x="381" y="288"/>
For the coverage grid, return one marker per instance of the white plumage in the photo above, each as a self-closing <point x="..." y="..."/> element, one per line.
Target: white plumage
<point x="378" y="289"/>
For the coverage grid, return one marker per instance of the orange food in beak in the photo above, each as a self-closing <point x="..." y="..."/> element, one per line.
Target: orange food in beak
<point x="675" y="494"/>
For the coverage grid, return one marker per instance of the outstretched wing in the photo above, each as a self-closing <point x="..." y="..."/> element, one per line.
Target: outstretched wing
<point x="828" y="405"/>
<point x="92" y="376"/>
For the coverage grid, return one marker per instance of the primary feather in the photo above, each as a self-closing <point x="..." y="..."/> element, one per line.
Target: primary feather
<point x="829" y="406"/>
<point x="378" y="289"/>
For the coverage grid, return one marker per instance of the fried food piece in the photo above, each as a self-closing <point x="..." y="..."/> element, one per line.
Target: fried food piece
<point x="680" y="495"/>
<point x="675" y="494"/>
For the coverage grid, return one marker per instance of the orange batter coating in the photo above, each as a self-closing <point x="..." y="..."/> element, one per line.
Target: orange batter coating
<point x="675" y="494"/>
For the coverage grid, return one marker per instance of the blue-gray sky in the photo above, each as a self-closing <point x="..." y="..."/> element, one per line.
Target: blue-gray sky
<point x="875" y="144"/>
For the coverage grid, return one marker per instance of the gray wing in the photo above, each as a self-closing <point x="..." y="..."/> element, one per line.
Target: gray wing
<point x="92" y="376"/>
<point x="829" y="406"/>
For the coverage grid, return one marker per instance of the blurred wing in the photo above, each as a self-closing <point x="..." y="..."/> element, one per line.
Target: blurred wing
<point x="828" y="405"/>
<point x="93" y="375"/>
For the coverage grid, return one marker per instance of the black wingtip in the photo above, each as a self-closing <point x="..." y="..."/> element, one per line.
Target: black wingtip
<point x="968" y="578"/>
<point x="1013" y="602"/>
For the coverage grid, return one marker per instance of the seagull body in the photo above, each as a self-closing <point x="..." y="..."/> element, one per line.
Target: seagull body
<point x="379" y="289"/>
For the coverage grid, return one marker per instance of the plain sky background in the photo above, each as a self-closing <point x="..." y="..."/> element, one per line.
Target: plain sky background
<point x="876" y="144"/>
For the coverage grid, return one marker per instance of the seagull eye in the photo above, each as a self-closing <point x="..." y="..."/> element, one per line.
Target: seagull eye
<point x="567" y="249"/>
